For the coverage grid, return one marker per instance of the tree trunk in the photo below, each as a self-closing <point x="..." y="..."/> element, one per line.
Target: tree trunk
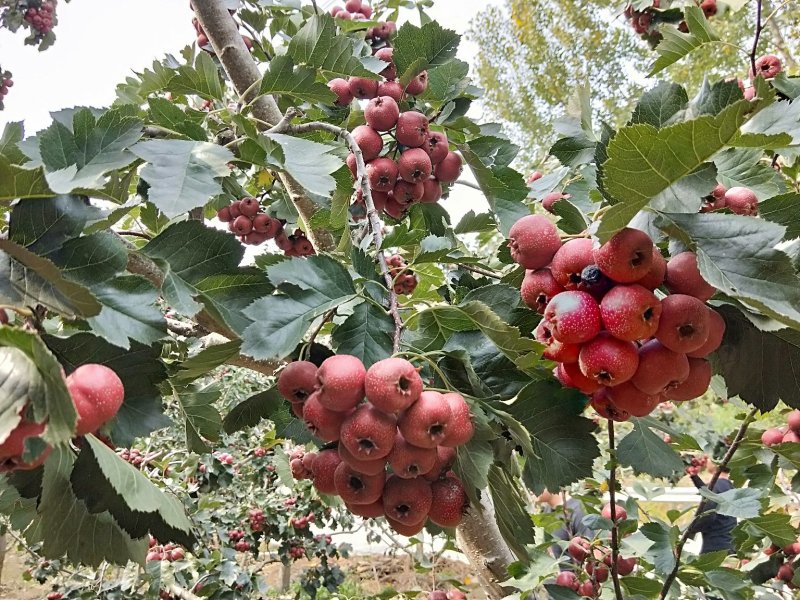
<point x="480" y="540"/>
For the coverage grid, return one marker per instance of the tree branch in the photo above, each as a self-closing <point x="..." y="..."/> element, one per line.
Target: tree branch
<point x="756" y="37"/>
<point x="699" y="512"/>
<point x="240" y="67"/>
<point x="376" y="225"/>
<point x="612" y="493"/>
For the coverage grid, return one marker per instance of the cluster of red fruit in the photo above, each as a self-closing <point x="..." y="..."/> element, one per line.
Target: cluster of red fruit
<point x="256" y="519"/>
<point x="97" y="394"/>
<point x="767" y="66"/>
<point x="133" y="456"/>
<point x="6" y="82"/>
<point x="405" y="282"/>
<point x="412" y="430"/>
<point x="169" y="552"/>
<point x="611" y="335"/>
<point x="356" y="10"/>
<point x="247" y="220"/>
<point x="302" y="522"/>
<point x="739" y="200"/>
<point x="224" y="457"/>
<point x="451" y="595"/>
<point x="239" y="543"/>
<point x="42" y="18"/>
<point x="202" y="38"/>
<point x="645" y="21"/>
<point x="296" y="552"/>
<point x="696" y="464"/>
<point x="595" y="560"/>
<point x="787" y="570"/>
<point x="781" y="435"/>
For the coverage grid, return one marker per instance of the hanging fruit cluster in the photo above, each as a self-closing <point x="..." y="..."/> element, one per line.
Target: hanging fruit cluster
<point x="41" y="18"/>
<point x="788" y="433"/>
<point x="405" y="282"/>
<point x="612" y="337"/>
<point x="248" y="221"/>
<point x="647" y="20"/>
<point x="401" y="425"/>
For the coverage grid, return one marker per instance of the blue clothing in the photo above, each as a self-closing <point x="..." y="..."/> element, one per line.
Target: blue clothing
<point x="716" y="529"/>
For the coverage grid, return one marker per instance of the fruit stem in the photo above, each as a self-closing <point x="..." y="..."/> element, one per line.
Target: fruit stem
<point x="433" y="365"/>
<point x="306" y="349"/>
<point x="612" y="492"/>
<point x="700" y="509"/>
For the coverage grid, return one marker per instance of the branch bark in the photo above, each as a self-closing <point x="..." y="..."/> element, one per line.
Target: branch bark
<point x="482" y="543"/>
<point x="228" y="45"/>
<point x="699" y="512"/>
<point x="612" y="493"/>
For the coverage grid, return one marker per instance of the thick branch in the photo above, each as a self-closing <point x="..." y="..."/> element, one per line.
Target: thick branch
<point x="376" y="225"/>
<point x="699" y="512"/>
<point x="756" y="38"/>
<point x="480" y="540"/>
<point x="612" y="493"/>
<point x="228" y="45"/>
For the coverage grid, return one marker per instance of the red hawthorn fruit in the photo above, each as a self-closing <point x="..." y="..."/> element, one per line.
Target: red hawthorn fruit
<point x="533" y="241"/>
<point x="382" y="113"/>
<point x="449" y="169"/>
<point x="415" y="165"/>
<point x="427" y="422"/>
<point x="412" y="129"/>
<point x="605" y="407"/>
<point x="436" y="146"/>
<point x="357" y="488"/>
<point x="626" y="257"/>
<point x="684" y="324"/>
<point x="12" y="449"/>
<point x="407" y="501"/>
<point x="538" y="288"/>
<point x="683" y="277"/>
<point x="568" y="579"/>
<point x="696" y="383"/>
<point x="418" y="85"/>
<point x="716" y="331"/>
<point x="579" y="548"/>
<point x="392" y="89"/>
<point x="368" y="467"/>
<point x="368" y="433"/>
<point x="321" y="421"/>
<point x="369" y="141"/>
<point x="608" y="360"/>
<point x="630" y="312"/>
<point x="569" y="262"/>
<point x="660" y="369"/>
<point x="555" y="350"/>
<point x="97" y="393"/>
<point x="340" y="382"/>
<point x="448" y="502"/>
<point x="297" y="380"/>
<point x="432" y="191"/>
<point x="445" y="457"/>
<point x="569" y="375"/>
<point x="363" y="88"/>
<point x="392" y="385"/>
<point x="409" y="461"/>
<point x="630" y="399"/>
<point x="341" y="88"/>
<point x="768" y="66"/>
<point x="367" y="511"/>
<point x="574" y="317"/>
<point x="620" y="514"/>
<point x="323" y="472"/>
<point x="461" y="428"/>
<point x="382" y="174"/>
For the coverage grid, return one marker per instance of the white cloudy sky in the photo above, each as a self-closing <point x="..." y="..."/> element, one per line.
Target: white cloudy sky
<point x="101" y="41"/>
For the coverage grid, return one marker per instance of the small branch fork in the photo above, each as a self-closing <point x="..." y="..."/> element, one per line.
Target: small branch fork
<point x="699" y="512"/>
<point x="612" y="493"/>
<point x="376" y="225"/>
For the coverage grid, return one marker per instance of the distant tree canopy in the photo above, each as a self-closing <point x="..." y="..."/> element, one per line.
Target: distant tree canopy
<point x="533" y="52"/>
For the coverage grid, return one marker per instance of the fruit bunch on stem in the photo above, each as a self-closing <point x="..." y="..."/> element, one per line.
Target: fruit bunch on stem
<point x="781" y="435"/>
<point x="380" y="417"/>
<point x="612" y="337"/>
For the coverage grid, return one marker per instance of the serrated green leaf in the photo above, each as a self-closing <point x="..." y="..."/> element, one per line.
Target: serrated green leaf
<point x="318" y="45"/>
<point x="446" y="82"/>
<point x="736" y="255"/>
<point x="249" y="412"/>
<point x="660" y="552"/>
<point x="169" y="115"/>
<point x="562" y="439"/>
<point x="475" y="223"/>
<point x="789" y="86"/>
<point x="780" y="119"/>
<point x="742" y="503"/>
<point x="43" y="226"/>
<point x="284" y="78"/>
<point x="107" y="483"/>
<point x="775" y="526"/>
<point x="419" y="48"/>
<point x="784" y="210"/>
<point x="660" y="104"/>
<point x="711" y="100"/>
<point x="644" y="161"/>
<point x="647" y="453"/>
<point x="140" y="371"/>
<point x="17" y="182"/>
<point x="641" y="586"/>
<point x="207" y="360"/>
<point x="202" y="79"/>
<point x="511" y="511"/>
<point x="675" y="44"/>
<point x="65" y="527"/>
<point x="743" y="167"/>
<point x="312" y="164"/>
<point x="20" y="383"/>
<point x="472" y="467"/>
<point x="182" y="174"/>
<point x="367" y="334"/>
<point x="574" y="151"/>
<point x="202" y="419"/>
<point x="28" y="279"/>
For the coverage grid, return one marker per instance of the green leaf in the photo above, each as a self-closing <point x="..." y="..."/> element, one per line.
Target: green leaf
<point x="736" y="255"/>
<point x="511" y="511"/>
<point x="743" y="167"/>
<point x="712" y="100"/>
<point x="472" y="467"/>
<point x="20" y="382"/>
<point x="65" y="526"/>
<point x="106" y="482"/>
<point x="645" y="161"/>
<point x="140" y="371"/>
<point x="475" y="223"/>
<point x="647" y="453"/>
<point x="182" y="174"/>
<point x="202" y="79"/>
<point x="28" y="279"/>
<point x="250" y="412"/>
<point x="766" y="354"/>
<point x="13" y="134"/>
<point x="742" y="503"/>
<point x="776" y="526"/>
<point x="664" y="539"/>
<point x="203" y="421"/>
<point x="45" y="225"/>
<point x="446" y="82"/>
<point x="312" y="164"/>
<point x="419" y="48"/>
<point x="80" y="156"/>
<point x="17" y="182"/>
<point x="571" y="219"/>
<point x="216" y="282"/>
<point x="780" y="120"/>
<point x="168" y="114"/>
<point x="675" y="44"/>
<point x="207" y="360"/>
<point x="130" y="312"/>
<point x="92" y="259"/>
<point x="789" y="86"/>
<point x="562" y="439"/>
<point x="659" y="105"/>
<point x="784" y="210"/>
<point x="308" y="289"/>
<point x="284" y="78"/>
<point x="318" y="45"/>
<point x="367" y="334"/>
<point x="505" y="189"/>
<point x="641" y="586"/>
<point x="574" y="151"/>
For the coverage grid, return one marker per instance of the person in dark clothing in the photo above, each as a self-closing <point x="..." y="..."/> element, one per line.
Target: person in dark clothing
<point x="716" y="529"/>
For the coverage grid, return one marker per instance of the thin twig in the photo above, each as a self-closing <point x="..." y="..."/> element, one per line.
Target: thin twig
<point x="480" y="271"/>
<point x="469" y="184"/>
<point x="325" y="318"/>
<point x="612" y="493"/>
<point x="376" y="225"/>
<point x="759" y="29"/>
<point x="138" y="234"/>
<point x="700" y="510"/>
<point x="316" y="8"/>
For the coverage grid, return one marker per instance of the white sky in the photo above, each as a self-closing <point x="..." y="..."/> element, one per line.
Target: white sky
<point x="101" y="41"/>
